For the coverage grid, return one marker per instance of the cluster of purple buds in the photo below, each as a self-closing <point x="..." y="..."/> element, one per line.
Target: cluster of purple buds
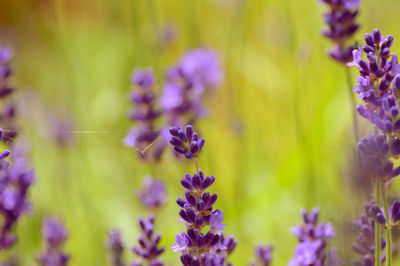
<point x="148" y="249"/>
<point x="377" y="152"/>
<point x="313" y="239"/>
<point x="377" y="214"/>
<point x="15" y="181"/>
<point x="378" y="87"/>
<point x="365" y="241"/>
<point x="197" y="246"/>
<point x="214" y="248"/>
<point x="263" y="256"/>
<point x="153" y="193"/>
<point x="341" y="20"/>
<point x="377" y="74"/>
<point x="7" y="115"/>
<point x="186" y="141"/>
<point x="116" y="248"/>
<point x="53" y="230"/>
<point x="196" y="73"/>
<point x="144" y="113"/>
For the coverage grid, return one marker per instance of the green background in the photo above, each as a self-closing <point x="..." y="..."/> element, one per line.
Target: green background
<point x="278" y="137"/>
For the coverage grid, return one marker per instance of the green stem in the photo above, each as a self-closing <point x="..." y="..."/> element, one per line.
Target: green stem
<point x="377" y="227"/>
<point x="388" y="229"/>
<point x="353" y="103"/>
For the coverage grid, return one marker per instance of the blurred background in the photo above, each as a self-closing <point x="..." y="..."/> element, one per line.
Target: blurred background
<point x="278" y="135"/>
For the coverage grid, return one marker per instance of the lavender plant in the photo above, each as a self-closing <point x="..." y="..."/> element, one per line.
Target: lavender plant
<point x="199" y="246"/>
<point x="7" y="114"/>
<point x="365" y="242"/>
<point x="116" y="248"/>
<point x="313" y="239"/>
<point x="378" y="87"/>
<point x="263" y="256"/>
<point x="15" y="181"/>
<point x="148" y="249"/>
<point x="144" y="113"/>
<point x="152" y="197"/>
<point x="55" y="234"/>
<point x="153" y="194"/>
<point x="198" y="72"/>
<point x="341" y="20"/>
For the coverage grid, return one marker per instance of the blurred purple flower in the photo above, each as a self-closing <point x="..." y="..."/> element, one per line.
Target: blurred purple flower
<point x="153" y="193"/>
<point x="196" y="73"/>
<point x="61" y="127"/>
<point x="263" y="256"/>
<point x="116" y="248"/>
<point x="144" y="135"/>
<point x="341" y="20"/>
<point x="148" y="249"/>
<point x="55" y="234"/>
<point x="365" y="241"/>
<point x="15" y="181"/>
<point x="313" y="238"/>
<point x="7" y="114"/>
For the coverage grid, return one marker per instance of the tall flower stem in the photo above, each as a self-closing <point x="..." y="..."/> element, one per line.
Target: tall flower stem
<point x="377" y="228"/>
<point x="388" y="229"/>
<point x="353" y="103"/>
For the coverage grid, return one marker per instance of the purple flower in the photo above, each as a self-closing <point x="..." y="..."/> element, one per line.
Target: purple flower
<point x="198" y="246"/>
<point x="115" y="247"/>
<point x="15" y="181"/>
<point x="181" y="244"/>
<point x="148" y="249"/>
<point x="143" y="78"/>
<point x="365" y="241"/>
<point x="313" y="238"/>
<point x="153" y="193"/>
<point x="7" y="114"/>
<point x="5" y="54"/>
<point x="186" y="141"/>
<point x="187" y="83"/>
<point x="216" y="219"/>
<point x="341" y="20"/>
<point x="377" y="151"/>
<point x="202" y="67"/>
<point x="263" y="256"/>
<point x="55" y="234"/>
<point x="61" y="127"/>
<point x="364" y="88"/>
<point x="144" y="135"/>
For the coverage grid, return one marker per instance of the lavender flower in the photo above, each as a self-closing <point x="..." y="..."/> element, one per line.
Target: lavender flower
<point x="15" y="181"/>
<point x="341" y="22"/>
<point x="377" y="87"/>
<point x="61" y="127"/>
<point x="263" y="256"/>
<point x="116" y="248"/>
<point x="313" y="238"/>
<point x="186" y="142"/>
<point x="7" y="114"/>
<point x="365" y="241"/>
<point x="153" y="193"/>
<point x="54" y="232"/>
<point x="148" y="248"/>
<point x="144" y="134"/>
<point x="196" y="73"/>
<point x="197" y="246"/>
